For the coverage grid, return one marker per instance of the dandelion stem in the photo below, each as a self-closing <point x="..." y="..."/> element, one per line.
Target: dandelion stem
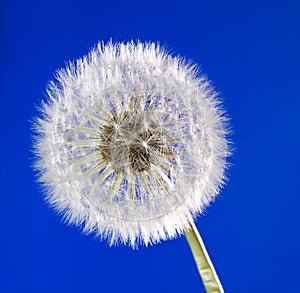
<point x="205" y="267"/>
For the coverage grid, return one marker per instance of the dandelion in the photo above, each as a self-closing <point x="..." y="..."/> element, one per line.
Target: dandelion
<point x="131" y="143"/>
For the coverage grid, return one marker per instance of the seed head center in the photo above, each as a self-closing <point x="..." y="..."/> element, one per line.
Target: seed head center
<point x="126" y="143"/>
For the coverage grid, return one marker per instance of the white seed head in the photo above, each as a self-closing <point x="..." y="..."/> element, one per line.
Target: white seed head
<point x="131" y="143"/>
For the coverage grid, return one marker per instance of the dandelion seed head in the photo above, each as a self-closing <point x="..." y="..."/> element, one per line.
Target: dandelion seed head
<point x="131" y="143"/>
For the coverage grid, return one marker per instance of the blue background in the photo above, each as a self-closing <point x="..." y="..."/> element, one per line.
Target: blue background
<point x="250" y="50"/>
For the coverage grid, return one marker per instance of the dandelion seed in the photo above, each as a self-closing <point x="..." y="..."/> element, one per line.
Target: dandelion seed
<point x="131" y="143"/>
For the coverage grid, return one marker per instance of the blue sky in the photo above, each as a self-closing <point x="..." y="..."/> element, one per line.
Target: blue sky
<point x="250" y="50"/>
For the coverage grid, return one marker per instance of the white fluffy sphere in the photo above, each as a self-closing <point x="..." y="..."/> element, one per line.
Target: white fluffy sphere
<point x="131" y="143"/>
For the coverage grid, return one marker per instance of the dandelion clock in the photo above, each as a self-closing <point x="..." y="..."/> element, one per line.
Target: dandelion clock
<point x="131" y="145"/>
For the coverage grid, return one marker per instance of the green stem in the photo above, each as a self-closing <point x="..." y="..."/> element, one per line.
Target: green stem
<point x="205" y="267"/>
